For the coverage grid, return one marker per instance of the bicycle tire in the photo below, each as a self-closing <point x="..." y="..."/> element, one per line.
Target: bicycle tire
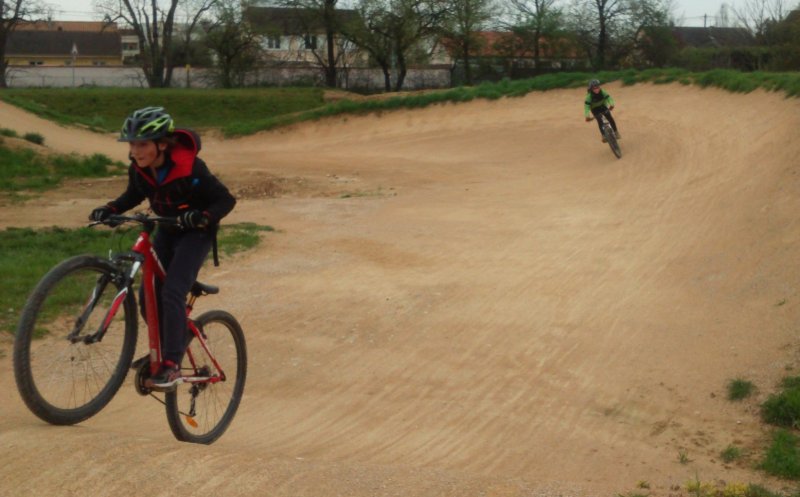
<point x="224" y="337"/>
<point x="88" y="375"/>
<point x="614" y="144"/>
<point x="611" y="139"/>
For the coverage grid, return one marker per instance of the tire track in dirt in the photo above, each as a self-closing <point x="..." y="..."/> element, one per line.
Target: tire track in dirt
<point x="501" y="308"/>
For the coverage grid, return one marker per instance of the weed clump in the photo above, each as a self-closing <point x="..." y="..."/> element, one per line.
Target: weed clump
<point x="739" y="389"/>
<point x="783" y="408"/>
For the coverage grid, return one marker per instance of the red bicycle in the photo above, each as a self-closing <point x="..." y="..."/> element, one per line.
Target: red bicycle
<point x="77" y="335"/>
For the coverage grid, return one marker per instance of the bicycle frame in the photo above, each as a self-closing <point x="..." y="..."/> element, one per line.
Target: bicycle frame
<point x="144" y="257"/>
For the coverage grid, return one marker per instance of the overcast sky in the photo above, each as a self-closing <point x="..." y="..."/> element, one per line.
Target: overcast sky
<point x="688" y="12"/>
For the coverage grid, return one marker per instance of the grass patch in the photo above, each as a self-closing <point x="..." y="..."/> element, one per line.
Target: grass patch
<point x="23" y="169"/>
<point x="731" y="453"/>
<point x="783" y="408"/>
<point x="8" y="132"/>
<point x="783" y="457"/>
<point x="240" y="237"/>
<point x="104" y="109"/>
<point x="28" y="254"/>
<point x="740" y="389"/>
<point x="34" y="138"/>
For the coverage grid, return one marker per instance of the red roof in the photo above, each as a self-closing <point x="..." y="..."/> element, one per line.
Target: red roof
<point x="508" y="44"/>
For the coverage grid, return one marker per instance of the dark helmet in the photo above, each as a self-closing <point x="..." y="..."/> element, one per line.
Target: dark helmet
<point x="595" y="83"/>
<point x="150" y="123"/>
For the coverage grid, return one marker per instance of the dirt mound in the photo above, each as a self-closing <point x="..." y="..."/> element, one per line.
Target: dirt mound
<point x="474" y="299"/>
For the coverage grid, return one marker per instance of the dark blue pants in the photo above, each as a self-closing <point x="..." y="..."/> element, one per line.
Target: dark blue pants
<point x="182" y="255"/>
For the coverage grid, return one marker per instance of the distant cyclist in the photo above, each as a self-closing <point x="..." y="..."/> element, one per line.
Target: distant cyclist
<point x="598" y="101"/>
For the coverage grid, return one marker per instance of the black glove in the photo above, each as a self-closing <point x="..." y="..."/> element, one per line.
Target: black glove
<point x="101" y="213"/>
<point x="192" y="219"/>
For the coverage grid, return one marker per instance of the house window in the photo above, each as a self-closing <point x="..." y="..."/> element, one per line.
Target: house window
<point x="98" y="62"/>
<point x="273" y="42"/>
<point x="310" y="42"/>
<point x="35" y="62"/>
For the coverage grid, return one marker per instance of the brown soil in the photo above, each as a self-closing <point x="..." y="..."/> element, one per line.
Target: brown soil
<point x="472" y="299"/>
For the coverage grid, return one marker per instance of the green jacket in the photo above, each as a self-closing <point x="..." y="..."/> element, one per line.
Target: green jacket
<point x="593" y="101"/>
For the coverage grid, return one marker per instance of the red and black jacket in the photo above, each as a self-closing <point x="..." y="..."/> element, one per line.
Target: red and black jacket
<point x="188" y="184"/>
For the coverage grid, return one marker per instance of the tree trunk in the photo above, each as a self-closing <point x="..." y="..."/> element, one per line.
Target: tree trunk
<point x="3" y="62"/>
<point x="401" y="72"/>
<point x="330" y="70"/>
<point x="387" y="77"/>
<point x="602" y="38"/>
<point x="329" y="20"/>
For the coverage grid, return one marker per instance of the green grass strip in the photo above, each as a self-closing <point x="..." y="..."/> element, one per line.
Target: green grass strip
<point x="246" y="111"/>
<point x="24" y="169"/>
<point x="104" y="109"/>
<point x="734" y="81"/>
<point x="29" y="253"/>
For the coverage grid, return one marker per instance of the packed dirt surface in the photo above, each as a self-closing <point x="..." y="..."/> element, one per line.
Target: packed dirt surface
<point x="472" y="299"/>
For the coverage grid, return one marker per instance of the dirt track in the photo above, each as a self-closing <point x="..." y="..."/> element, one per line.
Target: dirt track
<point x="471" y="300"/>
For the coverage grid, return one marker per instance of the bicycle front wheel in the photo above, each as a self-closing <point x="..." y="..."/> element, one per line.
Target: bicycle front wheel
<point x="75" y="340"/>
<point x="200" y="412"/>
<point x="614" y="144"/>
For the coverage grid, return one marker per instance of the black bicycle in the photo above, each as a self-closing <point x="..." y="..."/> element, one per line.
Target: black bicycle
<point x="608" y="134"/>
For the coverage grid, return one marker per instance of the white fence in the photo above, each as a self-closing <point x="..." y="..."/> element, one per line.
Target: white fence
<point x="132" y="77"/>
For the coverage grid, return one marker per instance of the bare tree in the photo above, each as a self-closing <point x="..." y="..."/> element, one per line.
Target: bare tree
<point x="153" y="21"/>
<point x="234" y="44"/>
<point x="534" y="20"/>
<point x="594" y="22"/>
<point x="192" y="12"/>
<point x="369" y="31"/>
<point x="756" y="15"/>
<point x="463" y="21"/>
<point x="410" y="22"/>
<point x="13" y="12"/>
<point x="394" y="33"/>
<point x="314" y="15"/>
<point x="647" y="32"/>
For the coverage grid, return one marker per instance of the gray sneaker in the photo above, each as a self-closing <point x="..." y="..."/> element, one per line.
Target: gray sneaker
<point x="167" y="378"/>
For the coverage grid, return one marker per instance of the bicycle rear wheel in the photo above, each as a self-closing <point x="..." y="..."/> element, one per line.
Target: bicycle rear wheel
<point x="65" y="367"/>
<point x="201" y="412"/>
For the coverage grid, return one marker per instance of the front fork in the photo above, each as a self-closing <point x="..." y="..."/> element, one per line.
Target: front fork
<point x="100" y="287"/>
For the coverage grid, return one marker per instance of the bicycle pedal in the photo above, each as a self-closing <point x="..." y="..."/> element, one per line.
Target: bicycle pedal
<point x="170" y="388"/>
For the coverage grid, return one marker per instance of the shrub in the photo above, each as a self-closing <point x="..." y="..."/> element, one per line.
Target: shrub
<point x="783" y="408"/>
<point x="34" y="138"/>
<point x="739" y="389"/>
<point x="782" y="458"/>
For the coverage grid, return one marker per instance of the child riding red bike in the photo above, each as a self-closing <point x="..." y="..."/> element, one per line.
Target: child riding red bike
<point x="165" y="170"/>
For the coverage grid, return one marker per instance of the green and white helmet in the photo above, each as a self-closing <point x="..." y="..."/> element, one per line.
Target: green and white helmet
<point x="150" y="123"/>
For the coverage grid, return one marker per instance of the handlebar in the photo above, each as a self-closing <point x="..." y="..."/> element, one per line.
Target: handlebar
<point x="149" y="222"/>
